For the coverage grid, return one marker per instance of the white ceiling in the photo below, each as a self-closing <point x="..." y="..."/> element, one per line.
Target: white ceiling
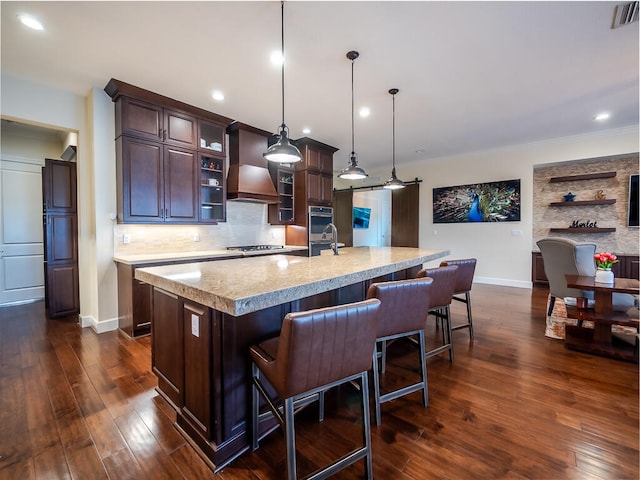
<point x="472" y="75"/>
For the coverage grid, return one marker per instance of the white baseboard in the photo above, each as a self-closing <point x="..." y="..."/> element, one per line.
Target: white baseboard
<point x="503" y="282"/>
<point x="98" y="327"/>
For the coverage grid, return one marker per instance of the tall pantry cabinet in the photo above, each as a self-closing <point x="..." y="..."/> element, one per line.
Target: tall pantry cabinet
<point x="60" y="233"/>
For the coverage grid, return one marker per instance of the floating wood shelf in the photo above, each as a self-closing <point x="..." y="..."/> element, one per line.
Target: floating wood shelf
<point x="577" y="203"/>
<point x="582" y="230"/>
<point x="589" y="176"/>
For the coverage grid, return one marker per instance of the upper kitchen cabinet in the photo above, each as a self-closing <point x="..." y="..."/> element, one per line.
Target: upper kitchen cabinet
<point x="152" y="122"/>
<point x="156" y="183"/>
<point x="313" y="178"/>
<point x="160" y="143"/>
<point x="281" y="213"/>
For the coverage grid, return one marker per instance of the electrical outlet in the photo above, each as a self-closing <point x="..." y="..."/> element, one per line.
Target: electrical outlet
<point x="126" y="238"/>
<point x="196" y="237"/>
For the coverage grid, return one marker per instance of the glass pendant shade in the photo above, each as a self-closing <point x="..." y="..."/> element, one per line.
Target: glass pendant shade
<point x="352" y="171"/>
<point x="283" y="151"/>
<point x="394" y="183"/>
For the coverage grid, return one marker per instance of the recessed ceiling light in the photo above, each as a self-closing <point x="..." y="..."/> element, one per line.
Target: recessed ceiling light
<point x="277" y="58"/>
<point x="29" y="21"/>
<point x="601" y="116"/>
<point x="306" y="130"/>
<point x="217" y="95"/>
<point x="365" y="112"/>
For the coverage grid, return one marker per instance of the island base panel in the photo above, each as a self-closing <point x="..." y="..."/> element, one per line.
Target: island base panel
<point x="212" y="391"/>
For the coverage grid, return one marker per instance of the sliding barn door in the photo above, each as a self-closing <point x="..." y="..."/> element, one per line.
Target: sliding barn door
<point x="405" y="216"/>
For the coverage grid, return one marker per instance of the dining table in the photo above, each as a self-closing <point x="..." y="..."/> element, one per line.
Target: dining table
<point x="600" y="339"/>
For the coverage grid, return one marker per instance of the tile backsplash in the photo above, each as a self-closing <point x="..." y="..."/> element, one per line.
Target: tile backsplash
<point x="246" y="224"/>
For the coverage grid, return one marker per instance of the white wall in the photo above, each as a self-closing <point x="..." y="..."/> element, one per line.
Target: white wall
<point x="33" y="103"/>
<point x="378" y="234"/>
<point x="503" y="259"/>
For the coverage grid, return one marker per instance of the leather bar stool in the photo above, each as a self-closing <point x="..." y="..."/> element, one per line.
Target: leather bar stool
<point x="464" y="281"/>
<point x="405" y="305"/>
<point x="316" y="350"/>
<point x="440" y="297"/>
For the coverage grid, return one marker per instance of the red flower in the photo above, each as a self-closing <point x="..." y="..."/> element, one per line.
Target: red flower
<point x="605" y="259"/>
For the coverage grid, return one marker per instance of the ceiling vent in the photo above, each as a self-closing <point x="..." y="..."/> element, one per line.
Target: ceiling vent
<point x="624" y="14"/>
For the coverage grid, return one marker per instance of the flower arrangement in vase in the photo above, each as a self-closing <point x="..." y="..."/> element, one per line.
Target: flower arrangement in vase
<point x="604" y="262"/>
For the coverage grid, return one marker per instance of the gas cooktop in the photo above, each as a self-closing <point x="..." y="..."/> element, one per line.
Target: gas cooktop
<point x="252" y="248"/>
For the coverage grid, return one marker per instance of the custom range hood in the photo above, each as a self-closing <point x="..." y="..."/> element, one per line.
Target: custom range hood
<point x="249" y="179"/>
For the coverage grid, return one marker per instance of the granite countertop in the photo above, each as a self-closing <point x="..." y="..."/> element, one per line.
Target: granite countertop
<point x="151" y="258"/>
<point x="244" y="285"/>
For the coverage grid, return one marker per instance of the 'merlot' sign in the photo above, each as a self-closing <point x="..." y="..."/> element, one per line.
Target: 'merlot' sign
<point x="587" y="224"/>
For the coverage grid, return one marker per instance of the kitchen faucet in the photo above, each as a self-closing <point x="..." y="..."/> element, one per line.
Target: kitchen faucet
<point x="334" y="237"/>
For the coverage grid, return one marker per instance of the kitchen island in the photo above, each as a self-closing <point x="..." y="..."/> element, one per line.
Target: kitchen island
<point x="206" y="315"/>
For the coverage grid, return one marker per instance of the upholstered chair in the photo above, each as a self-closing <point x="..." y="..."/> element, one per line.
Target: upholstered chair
<point x="563" y="256"/>
<point x="316" y="350"/>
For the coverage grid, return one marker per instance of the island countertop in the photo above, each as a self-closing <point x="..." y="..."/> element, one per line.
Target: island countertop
<point x="245" y="285"/>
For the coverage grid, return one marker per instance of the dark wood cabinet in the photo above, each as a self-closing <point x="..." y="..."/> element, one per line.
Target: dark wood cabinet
<point x="313" y="177"/>
<point x="159" y="143"/>
<point x="628" y="266"/>
<point x="282" y="213"/>
<point x="167" y="345"/>
<point x="198" y="360"/>
<point x="134" y="302"/>
<point x="157" y="183"/>
<point x="60" y="233"/>
<point x="140" y="119"/>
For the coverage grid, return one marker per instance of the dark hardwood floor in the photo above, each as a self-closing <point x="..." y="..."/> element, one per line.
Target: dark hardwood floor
<point x="514" y="404"/>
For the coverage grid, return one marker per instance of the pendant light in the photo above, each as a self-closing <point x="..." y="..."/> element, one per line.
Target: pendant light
<point x="283" y="151"/>
<point x="394" y="183"/>
<point x="352" y="171"/>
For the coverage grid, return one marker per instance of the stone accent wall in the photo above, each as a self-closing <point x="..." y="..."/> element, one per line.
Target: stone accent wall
<point x="624" y="240"/>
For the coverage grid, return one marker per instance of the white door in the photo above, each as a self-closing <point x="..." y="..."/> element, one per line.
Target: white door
<point x="21" y="248"/>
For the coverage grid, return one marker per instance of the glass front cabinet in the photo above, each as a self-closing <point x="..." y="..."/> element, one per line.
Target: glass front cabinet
<point x="282" y="212"/>
<point x="212" y="189"/>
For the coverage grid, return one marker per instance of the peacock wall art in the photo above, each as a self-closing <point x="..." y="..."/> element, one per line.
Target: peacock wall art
<point x="479" y="202"/>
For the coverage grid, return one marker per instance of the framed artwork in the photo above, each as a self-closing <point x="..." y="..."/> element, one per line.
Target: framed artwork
<point x="361" y="217"/>
<point x="477" y="202"/>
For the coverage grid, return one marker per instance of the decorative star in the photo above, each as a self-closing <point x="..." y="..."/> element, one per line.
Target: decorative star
<point x="569" y="197"/>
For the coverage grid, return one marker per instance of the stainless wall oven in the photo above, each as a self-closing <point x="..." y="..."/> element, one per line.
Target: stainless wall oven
<point x="319" y="218"/>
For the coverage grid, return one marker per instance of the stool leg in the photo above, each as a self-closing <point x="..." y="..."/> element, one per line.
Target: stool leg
<point x="255" y="407"/>
<point x="468" y="297"/>
<point x="447" y="318"/>
<point x="423" y="371"/>
<point x="366" y="426"/>
<point x="321" y="406"/>
<point x="384" y="355"/>
<point x="290" y="438"/>
<point x="376" y="384"/>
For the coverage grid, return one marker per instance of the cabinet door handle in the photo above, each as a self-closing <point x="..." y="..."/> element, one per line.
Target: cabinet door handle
<point x="164" y="135"/>
<point x="159" y="133"/>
